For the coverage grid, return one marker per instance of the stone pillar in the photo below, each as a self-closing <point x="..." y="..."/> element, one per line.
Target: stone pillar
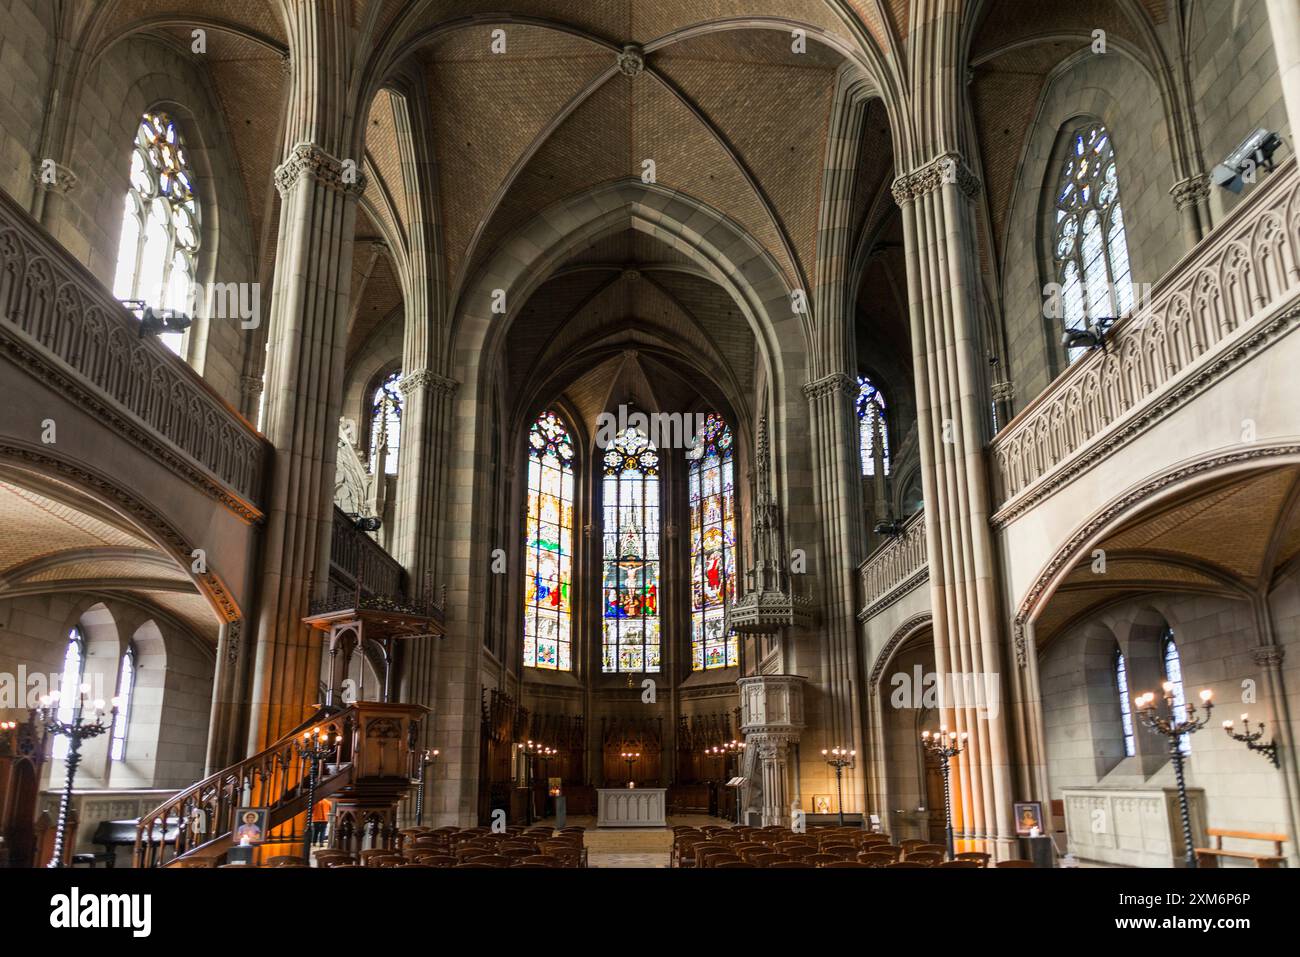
<point x="1284" y="23"/>
<point x="304" y="385"/>
<point x="1192" y="197"/>
<point x="771" y="718"/>
<point x="832" y="415"/>
<point x="952" y="412"/>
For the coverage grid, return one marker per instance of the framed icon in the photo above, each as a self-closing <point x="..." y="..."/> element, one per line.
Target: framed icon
<point x="1029" y="815"/>
<point x="250" y="825"/>
<point x="821" y="804"/>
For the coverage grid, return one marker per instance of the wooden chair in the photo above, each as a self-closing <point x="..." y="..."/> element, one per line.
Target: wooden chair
<point x="979" y="856"/>
<point x="847" y="864"/>
<point x="782" y="864"/>
<point x="906" y="864"/>
<point x="493" y="860"/>
<point x="436" y="860"/>
<point x="724" y="865"/>
<point x="960" y="863"/>
<point x="872" y="859"/>
<point x="712" y="857"/>
<point x="928" y="858"/>
<point x="198" y="863"/>
<point x="926" y="848"/>
<point x="911" y="843"/>
<point x="287" y="860"/>
<point x="767" y="860"/>
<point x="545" y="860"/>
<point x="844" y="851"/>
<point x="476" y="864"/>
<point x="821" y="860"/>
<point x="1014" y="864"/>
<point x="893" y="850"/>
<point x="797" y="851"/>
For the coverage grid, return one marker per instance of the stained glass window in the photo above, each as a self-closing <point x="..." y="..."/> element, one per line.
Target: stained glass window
<point x="1174" y="675"/>
<point x="1091" y="250"/>
<point x="711" y="489"/>
<point x="1125" y="705"/>
<point x="871" y="426"/>
<point x="386" y="422"/>
<point x="74" y="664"/>
<point x="158" y="249"/>
<point x="125" y="684"/>
<point x="548" y="538"/>
<point x="630" y="613"/>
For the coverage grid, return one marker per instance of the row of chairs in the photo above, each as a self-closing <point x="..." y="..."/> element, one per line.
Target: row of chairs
<point x="477" y="847"/>
<point x="825" y="847"/>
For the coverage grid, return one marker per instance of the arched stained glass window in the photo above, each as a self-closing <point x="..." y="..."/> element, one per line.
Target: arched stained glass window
<point x="711" y="489"/>
<point x="386" y="423"/>
<point x="1174" y="675"/>
<point x="1125" y="704"/>
<point x="1091" y="251"/>
<point x="872" y="428"/>
<point x="74" y="666"/>
<point x="125" y="686"/>
<point x="630" y="614"/>
<point x="548" y="538"/>
<point x="157" y="252"/>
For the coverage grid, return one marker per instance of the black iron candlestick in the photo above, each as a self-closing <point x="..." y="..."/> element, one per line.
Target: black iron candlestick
<point x="839" y="759"/>
<point x="1251" y="739"/>
<point x="946" y="745"/>
<point x="630" y="757"/>
<point x="76" y="731"/>
<point x="426" y="758"/>
<point x="1174" y="731"/>
<point x="314" y="748"/>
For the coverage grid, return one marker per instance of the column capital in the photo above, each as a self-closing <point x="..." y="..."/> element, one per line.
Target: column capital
<point x="946" y="168"/>
<point x="1268" y="655"/>
<point x="830" y="384"/>
<point x="1003" y="390"/>
<point x="53" y="177"/>
<point x="250" y="385"/>
<point x="427" y="379"/>
<point x="309" y="159"/>
<point x="1192" y="190"/>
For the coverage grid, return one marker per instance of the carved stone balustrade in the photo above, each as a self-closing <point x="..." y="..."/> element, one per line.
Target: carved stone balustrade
<point x="895" y="568"/>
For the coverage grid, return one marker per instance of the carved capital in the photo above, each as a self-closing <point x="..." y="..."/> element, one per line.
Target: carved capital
<point x="250" y="385"/>
<point x="1192" y="190"/>
<point x="233" y="629"/>
<point x="1269" y="655"/>
<point x="1003" y="391"/>
<point x="426" y="379"/>
<point x="54" y="177"/>
<point x="950" y="168"/>
<point x="631" y="61"/>
<point x="829" y="385"/>
<point x="307" y="159"/>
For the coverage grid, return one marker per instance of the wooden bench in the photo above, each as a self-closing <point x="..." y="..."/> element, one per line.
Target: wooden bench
<point x="1209" y="856"/>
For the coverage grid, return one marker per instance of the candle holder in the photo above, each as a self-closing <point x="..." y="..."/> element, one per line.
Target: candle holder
<point x="1251" y="739"/>
<point x="1174" y="730"/>
<point x="839" y="759"/>
<point x="76" y="731"/>
<point x="427" y="757"/>
<point x="313" y="748"/>
<point x="945" y="745"/>
<point x="630" y="757"/>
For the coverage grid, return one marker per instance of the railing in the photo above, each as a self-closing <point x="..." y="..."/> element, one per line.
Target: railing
<point x="1214" y="309"/>
<point x="59" y="322"/>
<point x="355" y="558"/>
<point x="896" y="567"/>
<point x="204" y="814"/>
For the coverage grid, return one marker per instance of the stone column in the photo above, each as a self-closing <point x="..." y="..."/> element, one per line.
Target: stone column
<point x="304" y="385"/>
<point x="952" y="412"/>
<point x="1284" y="23"/>
<point x="832" y="416"/>
<point x="1192" y="197"/>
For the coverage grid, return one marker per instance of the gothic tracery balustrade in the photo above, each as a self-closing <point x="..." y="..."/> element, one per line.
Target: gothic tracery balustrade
<point x="77" y="337"/>
<point x="895" y="567"/>
<point x="1227" y="298"/>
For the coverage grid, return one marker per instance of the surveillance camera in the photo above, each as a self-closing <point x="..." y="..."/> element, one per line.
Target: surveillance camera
<point x="1239" y="167"/>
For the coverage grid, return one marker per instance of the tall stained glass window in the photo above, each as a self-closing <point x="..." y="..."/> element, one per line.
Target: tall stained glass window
<point x="630" y="615"/>
<point x="1125" y="705"/>
<point x="158" y="249"/>
<point x="122" y="720"/>
<point x="548" y="538"/>
<point x="1091" y="250"/>
<point x="1174" y="675"/>
<point x="386" y="422"/>
<point x="711" y="488"/>
<point x="871" y="426"/>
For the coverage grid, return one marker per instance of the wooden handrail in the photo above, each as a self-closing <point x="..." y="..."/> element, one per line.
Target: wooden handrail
<point x="271" y="778"/>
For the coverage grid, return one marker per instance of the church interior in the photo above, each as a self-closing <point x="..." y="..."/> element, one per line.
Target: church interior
<point x="730" y="434"/>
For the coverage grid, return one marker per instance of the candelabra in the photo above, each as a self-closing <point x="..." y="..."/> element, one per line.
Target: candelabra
<point x="313" y="748"/>
<point x="426" y="758"/>
<point x="839" y="759"/>
<point x="725" y="751"/>
<point x="76" y="731"/>
<point x="1174" y="730"/>
<point x="630" y="757"/>
<point x="945" y="745"/>
<point x="1251" y="739"/>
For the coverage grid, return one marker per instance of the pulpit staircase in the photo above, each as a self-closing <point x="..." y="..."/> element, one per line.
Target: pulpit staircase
<point x="365" y="779"/>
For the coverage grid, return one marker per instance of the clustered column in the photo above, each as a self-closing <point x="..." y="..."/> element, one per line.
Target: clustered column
<point x="304" y="379"/>
<point x="952" y="415"/>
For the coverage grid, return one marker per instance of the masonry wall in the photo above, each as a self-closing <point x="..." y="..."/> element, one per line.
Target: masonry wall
<point x="168" y="719"/>
<point x="1216" y="638"/>
<point x="26" y="59"/>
